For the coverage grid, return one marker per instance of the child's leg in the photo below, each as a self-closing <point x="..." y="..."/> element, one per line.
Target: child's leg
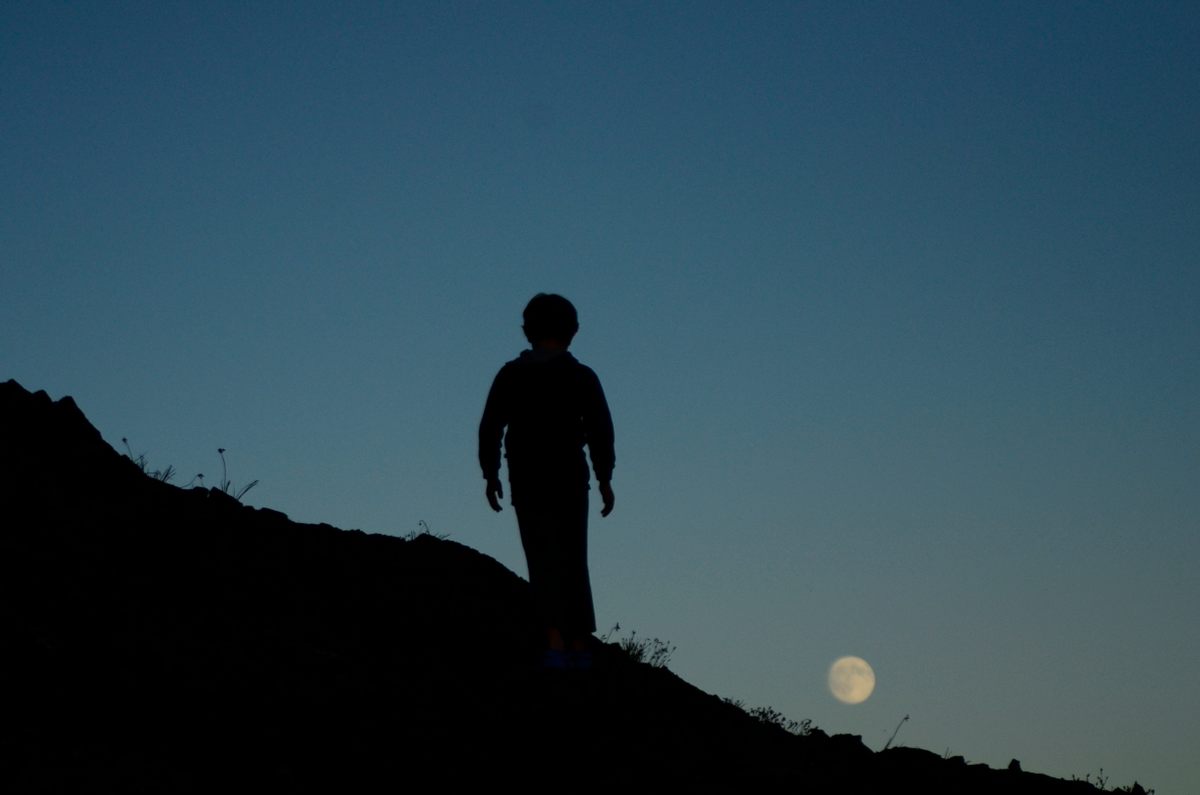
<point x="554" y="536"/>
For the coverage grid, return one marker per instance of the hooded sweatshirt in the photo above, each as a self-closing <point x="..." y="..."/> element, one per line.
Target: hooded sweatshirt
<point x="547" y="406"/>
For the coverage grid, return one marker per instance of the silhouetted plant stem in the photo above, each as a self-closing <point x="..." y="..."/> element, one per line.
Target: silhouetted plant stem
<point x="893" y="737"/>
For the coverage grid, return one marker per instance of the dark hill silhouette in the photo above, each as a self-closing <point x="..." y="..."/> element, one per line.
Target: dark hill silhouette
<point x="158" y="639"/>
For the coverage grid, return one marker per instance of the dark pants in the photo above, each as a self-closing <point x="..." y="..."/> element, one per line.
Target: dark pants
<point x="554" y="535"/>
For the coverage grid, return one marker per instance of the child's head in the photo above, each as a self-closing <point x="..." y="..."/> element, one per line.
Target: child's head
<point x="550" y="318"/>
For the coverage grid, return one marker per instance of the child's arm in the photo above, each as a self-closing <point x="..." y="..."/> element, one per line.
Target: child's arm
<point x="491" y="431"/>
<point x="598" y="427"/>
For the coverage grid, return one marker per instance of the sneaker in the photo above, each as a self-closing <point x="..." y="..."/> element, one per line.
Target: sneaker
<point x="554" y="660"/>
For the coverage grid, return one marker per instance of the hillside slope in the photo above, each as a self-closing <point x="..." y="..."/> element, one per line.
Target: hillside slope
<point x="160" y="639"/>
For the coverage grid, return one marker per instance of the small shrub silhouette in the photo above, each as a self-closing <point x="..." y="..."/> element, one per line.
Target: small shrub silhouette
<point x="651" y="651"/>
<point x="424" y="531"/>
<point x="1100" y="782"/>
<point x="773" y="717"/>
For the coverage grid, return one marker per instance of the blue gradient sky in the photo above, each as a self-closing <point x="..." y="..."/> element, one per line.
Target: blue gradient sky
<point x="895" y="305"/>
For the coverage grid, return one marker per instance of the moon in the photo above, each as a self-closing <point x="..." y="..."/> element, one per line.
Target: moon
<point x="851" y="680"/>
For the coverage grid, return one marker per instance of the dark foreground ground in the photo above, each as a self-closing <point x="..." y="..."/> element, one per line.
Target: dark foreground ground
<point x="157" y="639"/>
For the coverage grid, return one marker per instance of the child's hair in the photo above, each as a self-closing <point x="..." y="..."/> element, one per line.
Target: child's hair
<point x="550" y="317"/>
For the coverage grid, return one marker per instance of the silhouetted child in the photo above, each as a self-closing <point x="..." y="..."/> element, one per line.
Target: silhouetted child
<point x="552" y="406"/>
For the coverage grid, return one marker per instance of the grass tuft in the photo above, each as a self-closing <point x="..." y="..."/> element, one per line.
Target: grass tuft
<point x="227" y="485"/>
<point x="424" y="531"/>
<point x="651" y="651"/>
<point x="162" y="475"/>
<point x="1100" y="782"/>
<point x="773" y="717"/>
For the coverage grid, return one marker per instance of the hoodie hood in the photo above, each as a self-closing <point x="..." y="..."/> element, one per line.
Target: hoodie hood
<point x="542" y="355"/>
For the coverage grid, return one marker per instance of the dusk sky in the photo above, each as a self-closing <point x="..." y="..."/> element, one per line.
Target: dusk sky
<point x="896" y="305"/>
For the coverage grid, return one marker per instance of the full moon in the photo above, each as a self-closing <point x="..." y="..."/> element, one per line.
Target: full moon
<point x="851" y="680"/>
